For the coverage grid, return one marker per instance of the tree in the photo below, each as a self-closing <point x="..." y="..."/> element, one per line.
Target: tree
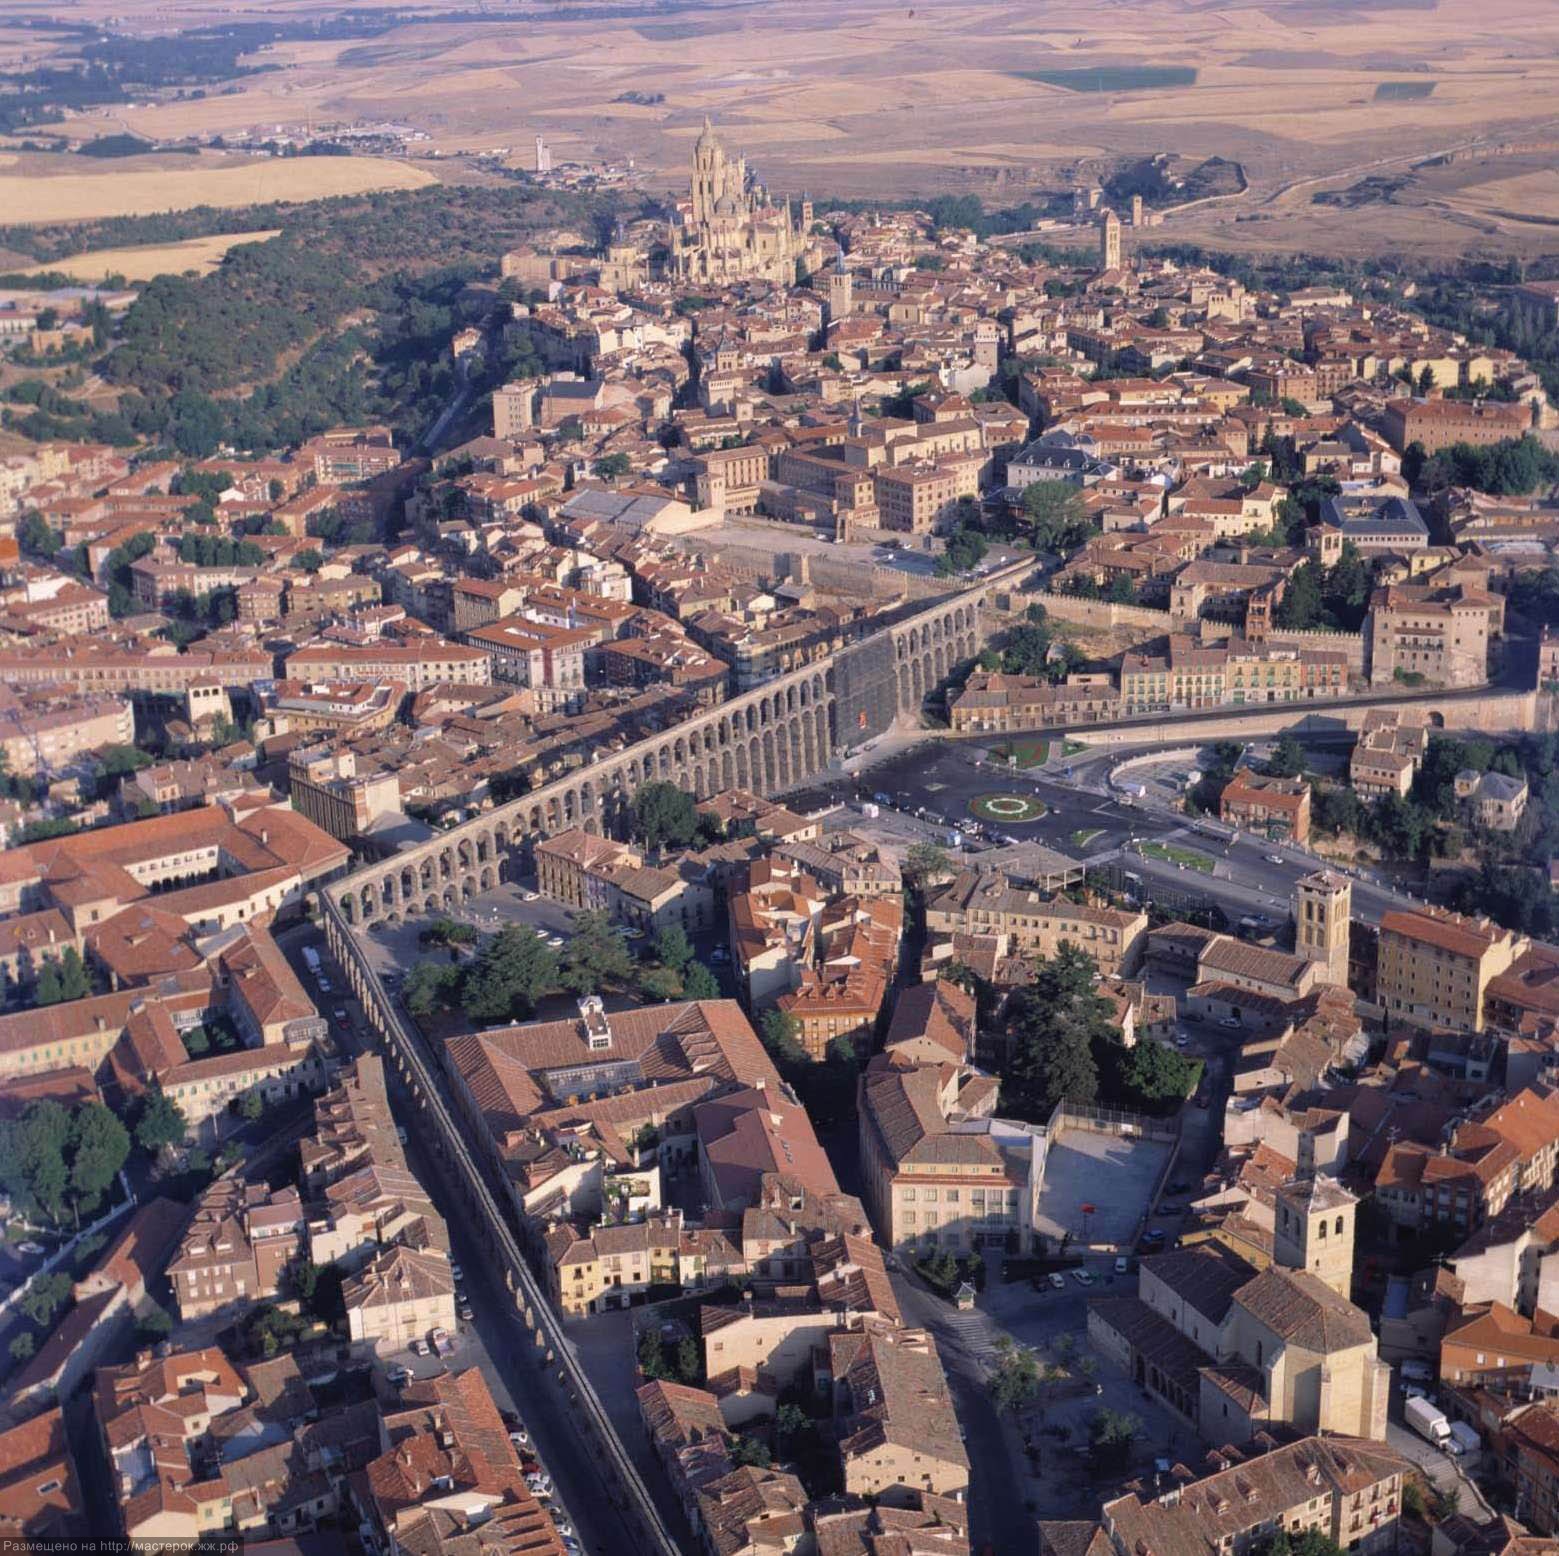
<point x="698" y="983"/>
<point x="1016" y="1378"/>
<point x="155" y="1324"/>
<point x="690" y="1360"/>
<point x="610" y="466"/>
<point x="33" y="1168"/>
<point x="161" y="1123"/>
<point x="966" y="548"/>
<point x="45" y="1296"/>
<point x="1057" y="515"/>
<point x="74" y="982"/>
<point x="1312" y="1542"/>
<point x="22" y="1347"/>
<point x="1288" y="757"/>
<point x="507" y="978"/>
<point x="252" y="1104"/>
<point x="47" y="991"/>
<point x="434" y="986"/>
<point x="1110" y="1436"/>
<point x="310" y="561"/>
<point x="780" y="1032"/>
<point x="1054" y="1025"/>
<point x="99" y="1147"/>
<point x="1121" y="590"/>
<point x="924" y="862"/>
<point x="664" y="815"/>
<point x="652" y="1356"/>
<point x="1154" y="1077"/>
<point x="659" y="984"/>
<point x="746" y="1449"/>
<point x="673" y="948"/>
<point x="597" y="955"/>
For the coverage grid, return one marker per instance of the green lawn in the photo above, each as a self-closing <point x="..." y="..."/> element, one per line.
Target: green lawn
<point x="1172" y="855"/>
<point x="1007" y="807"/>
<point x="1027" y="753"/>
<point x="1113" y="78"/>
<point x="1073" y="747"/>
<point x="1083" y="836"/>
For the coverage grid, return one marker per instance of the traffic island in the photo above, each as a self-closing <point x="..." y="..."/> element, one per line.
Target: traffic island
<point x="1007" y="809"/>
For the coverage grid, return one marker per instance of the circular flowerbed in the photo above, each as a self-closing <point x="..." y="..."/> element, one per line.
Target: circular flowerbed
<point x="1007" y="807"/>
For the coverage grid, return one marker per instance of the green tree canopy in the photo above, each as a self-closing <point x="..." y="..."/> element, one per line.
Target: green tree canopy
<point x="1057" y="516"/>
<point x="664" y="816"/>
<point x="597" y="955"/>
<point x="509" y="976"/>
<point x="698" y="983"/>
<point x="161" y="1122"/>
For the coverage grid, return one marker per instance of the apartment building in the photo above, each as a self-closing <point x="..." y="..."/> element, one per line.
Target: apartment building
<point x="237" y="1246"/>
<point x="326" y="788"/>
<point x="898" y="1432"/>
<point x="1495" y="801"/>
<point x="1388" y="753"/>
<point x="1346" y="1490"/>
<point x="1436" y="633"/>
<point x="399" y="1296"/>
<point x="1278" y="808"/>
<point x="990" y="904"/>
<point x="572" y="867"/>
<point x="1437" y="424"/>
<point x="54" y="731"/>
<point x="923" y="499"/>
<point x="547" y="659"/>
<point x="1435" y="967"/>
<point x="933" y="1178"/>
<point x="424" y="663"/>
<point x="995" y="703"/>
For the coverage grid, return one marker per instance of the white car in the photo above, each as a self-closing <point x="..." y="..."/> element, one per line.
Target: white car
<point x="1082" y="1277"/>
<point x="456" y="1271"/>
<point x="520" y="1438"/>
<point x="531" y="896"/>
<point x="1122" y="1265"/>
<point x="1276" y="859"/>
<point x="1057" y="1281"/>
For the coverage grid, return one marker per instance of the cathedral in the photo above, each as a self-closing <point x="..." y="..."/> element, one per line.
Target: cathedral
<point x="728" y="230"/>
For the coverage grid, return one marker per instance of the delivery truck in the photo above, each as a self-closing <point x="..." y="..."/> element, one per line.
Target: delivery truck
<point x="1428" y="1420"/>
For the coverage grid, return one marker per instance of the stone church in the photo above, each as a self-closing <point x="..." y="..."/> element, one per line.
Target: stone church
<point x="728" y="230"/>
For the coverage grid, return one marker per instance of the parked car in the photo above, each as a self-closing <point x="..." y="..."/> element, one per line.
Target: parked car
<point x="419" y="1347"/>
<point x="1122" y="1264"/>
<point x="1232" y="1022"/>
<point x="1275" y="859"/>
<point x="520" y="1438"/>
<point x="28" y="1248"/>
<point x="531" y="896"/>
<point x="1157" y="1235"/>
<point x="456" y="1272"/>
<point x="1082" y="1277"/>
<point x="342" y="1019"/>
<point x="325" y="984"/>
<point x="1057" y="1281"/>
<point x="400" y="1376"/>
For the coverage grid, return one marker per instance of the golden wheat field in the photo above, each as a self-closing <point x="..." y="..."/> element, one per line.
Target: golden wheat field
<point x="863" y="97"/>
<point x="140" y="190"/>
<point x="148" y="260"/>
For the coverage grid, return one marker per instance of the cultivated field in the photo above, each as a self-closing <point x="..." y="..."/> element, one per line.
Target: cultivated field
<point x="149" y="260"/>
<point x="140" y="186"/>
<point x="1005" y="100"/>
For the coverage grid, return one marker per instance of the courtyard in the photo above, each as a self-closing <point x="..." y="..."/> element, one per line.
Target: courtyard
<point x="1097" y="1187"/>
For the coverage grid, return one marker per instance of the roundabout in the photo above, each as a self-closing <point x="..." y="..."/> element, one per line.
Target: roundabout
<point x="1009" y="809"/>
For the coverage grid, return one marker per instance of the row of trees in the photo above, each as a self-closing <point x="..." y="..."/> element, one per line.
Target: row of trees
<point x="516" y="969"/>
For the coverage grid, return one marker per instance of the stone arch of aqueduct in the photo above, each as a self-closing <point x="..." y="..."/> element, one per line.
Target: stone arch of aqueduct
<point x="768" y="740"/>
